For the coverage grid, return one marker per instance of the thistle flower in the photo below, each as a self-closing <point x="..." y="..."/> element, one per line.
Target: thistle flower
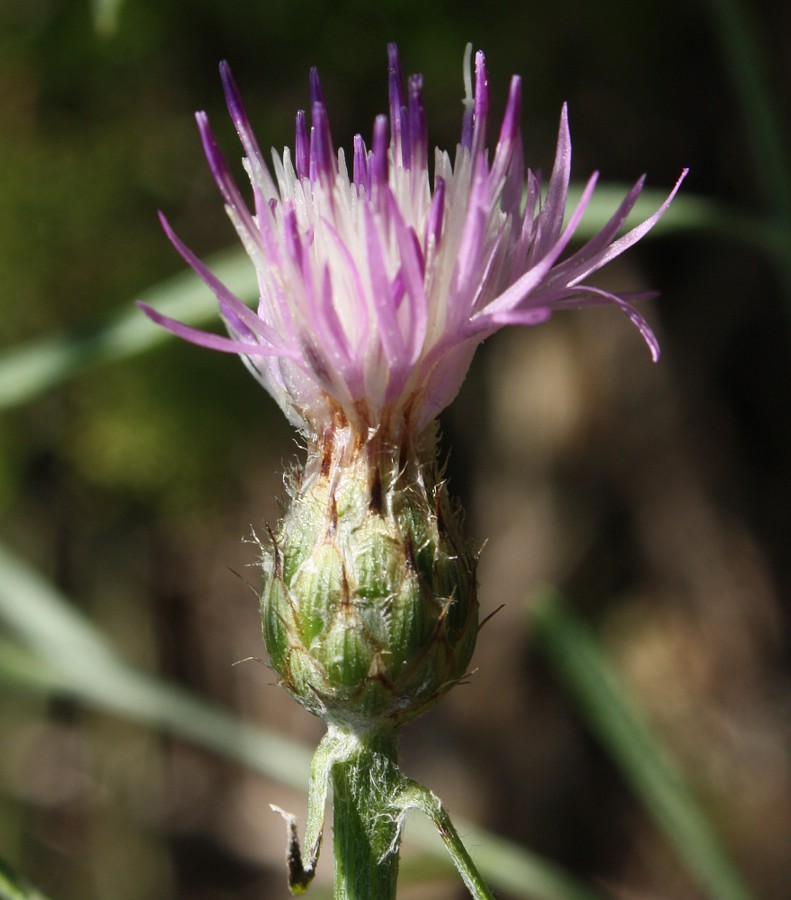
<point x="375" y="290"/>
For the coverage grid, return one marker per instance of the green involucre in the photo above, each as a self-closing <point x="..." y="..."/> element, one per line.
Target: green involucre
<point x="369" y="605"/>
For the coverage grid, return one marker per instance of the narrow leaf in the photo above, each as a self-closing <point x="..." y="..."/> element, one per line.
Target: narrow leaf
<point x="576" y="656"/>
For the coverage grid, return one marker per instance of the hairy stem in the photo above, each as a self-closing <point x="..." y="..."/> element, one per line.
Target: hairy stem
<point x="414" y="796"/>
<point x="367" y="834"/>
<point x="370" y="801"/>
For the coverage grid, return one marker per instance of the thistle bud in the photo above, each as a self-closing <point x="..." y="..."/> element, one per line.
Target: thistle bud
<point x="369" y="605"/>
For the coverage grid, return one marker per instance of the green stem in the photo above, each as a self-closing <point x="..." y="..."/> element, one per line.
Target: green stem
<point x="366" y="833"/>
<point x="414" y="796"/>
<point x="370" y="801"/>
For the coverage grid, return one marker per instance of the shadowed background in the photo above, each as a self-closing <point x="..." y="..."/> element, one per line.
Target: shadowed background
<point x="655" y="497"/>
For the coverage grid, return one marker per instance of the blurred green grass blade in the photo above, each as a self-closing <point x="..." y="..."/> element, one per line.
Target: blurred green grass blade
<point x="504" y="864"/>
<point x="63" y="654"/>
<point x="31" y="369"/>
<point x="576" y="656"/>
<point x="105" y="17"/>
<point x="688" y="213"/>
<point x="761" y="125"/>
<point x="46" y="622"/>
<point x="21" y="668"/>
<point x="13" y="887"/>
<point x="71" y="656"/>
<point x="122" y="691"/>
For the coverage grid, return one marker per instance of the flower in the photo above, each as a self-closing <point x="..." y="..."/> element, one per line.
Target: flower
<point x="375" y="288"/>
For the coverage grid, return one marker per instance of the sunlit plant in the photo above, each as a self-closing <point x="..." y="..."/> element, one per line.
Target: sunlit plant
<point x="378" y="278"/>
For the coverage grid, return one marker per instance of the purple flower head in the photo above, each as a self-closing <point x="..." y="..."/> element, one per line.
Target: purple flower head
<point x="375" y="287"/>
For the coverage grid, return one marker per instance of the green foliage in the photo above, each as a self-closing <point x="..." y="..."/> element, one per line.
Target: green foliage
<point x="12" y="887"/>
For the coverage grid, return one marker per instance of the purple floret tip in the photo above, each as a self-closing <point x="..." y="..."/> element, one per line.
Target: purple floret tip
<point x="375" y="290"/>
<point x="302" y="146"/>
<point x="481" y="108"/>
<point x="316" y="93"/>
<point x="379" y="150"/>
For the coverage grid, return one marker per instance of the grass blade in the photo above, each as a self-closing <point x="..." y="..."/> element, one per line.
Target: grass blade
<point x="576" y="656"/>
<point x="62" y="653"/>
<point x="31" y="369"/>
<point x="12" y="887"/>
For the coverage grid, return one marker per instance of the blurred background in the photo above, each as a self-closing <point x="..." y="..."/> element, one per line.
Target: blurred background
<point x="656" y="498"/>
